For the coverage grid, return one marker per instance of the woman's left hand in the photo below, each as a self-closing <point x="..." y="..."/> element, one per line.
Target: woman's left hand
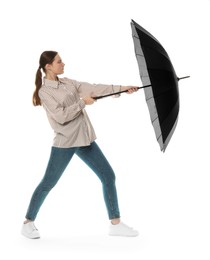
<point x="130" y="89"/>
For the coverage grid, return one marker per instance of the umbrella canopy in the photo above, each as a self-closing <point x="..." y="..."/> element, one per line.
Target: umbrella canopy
<point x="162" y="96"/>
<point x="160" y="83"/>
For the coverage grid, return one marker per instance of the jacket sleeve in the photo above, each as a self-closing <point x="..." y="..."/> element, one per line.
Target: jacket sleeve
<point x="93" y="90"/>
<point x="57" y="112"/>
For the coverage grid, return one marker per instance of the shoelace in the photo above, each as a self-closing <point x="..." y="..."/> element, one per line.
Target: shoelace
<point x="33" y="226"/>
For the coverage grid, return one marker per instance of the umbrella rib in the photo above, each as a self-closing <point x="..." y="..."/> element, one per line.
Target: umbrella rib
<point x="164" y="54"/>
<point x="149" y="98"/>
<point x="154" y="119"/>
<point x="159" y="137"/>
<point x="136" y="37"/>
<point x="154" y="127"/>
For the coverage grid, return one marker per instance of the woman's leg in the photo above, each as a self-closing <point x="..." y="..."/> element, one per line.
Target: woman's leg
<point x="94" y="158"/>
<point x="59" y="159"/>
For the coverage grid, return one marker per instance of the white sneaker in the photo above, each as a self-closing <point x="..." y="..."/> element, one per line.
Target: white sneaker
<point x="30" y="231"/>
<point x="122" y="230"/>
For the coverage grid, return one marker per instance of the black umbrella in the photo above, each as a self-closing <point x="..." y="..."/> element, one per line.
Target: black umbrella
<point x="163" y="96"/>
<point x="160" y="82"/>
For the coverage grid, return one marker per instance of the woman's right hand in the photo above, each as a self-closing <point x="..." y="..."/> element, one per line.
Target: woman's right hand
<point x="88" y="100"/>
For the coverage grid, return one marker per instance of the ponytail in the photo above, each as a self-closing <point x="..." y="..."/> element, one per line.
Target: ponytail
<point x="38" y="83"/>
<point x="47" y="57"/>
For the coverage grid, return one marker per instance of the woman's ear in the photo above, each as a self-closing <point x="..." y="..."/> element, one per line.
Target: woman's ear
<point x="48" y="67"/>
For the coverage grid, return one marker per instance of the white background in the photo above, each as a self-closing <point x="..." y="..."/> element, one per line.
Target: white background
<point x="164" y="195"/>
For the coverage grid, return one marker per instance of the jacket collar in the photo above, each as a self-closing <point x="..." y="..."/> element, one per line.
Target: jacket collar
<point x="52" y="83"/>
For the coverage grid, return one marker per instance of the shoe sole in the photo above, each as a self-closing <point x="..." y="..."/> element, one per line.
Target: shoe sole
<point x="121" y="235"/>
<point x="38" y="237"/>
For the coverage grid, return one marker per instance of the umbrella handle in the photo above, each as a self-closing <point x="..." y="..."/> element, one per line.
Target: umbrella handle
<point x="116" y="93"/>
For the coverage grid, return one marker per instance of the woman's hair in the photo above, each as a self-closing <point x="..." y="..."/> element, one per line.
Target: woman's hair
<point x="47" y="57"/>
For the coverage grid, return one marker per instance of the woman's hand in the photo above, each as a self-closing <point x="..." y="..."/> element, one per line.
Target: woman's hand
<point x="130" y="89"/>
<point x="88" y="100"/>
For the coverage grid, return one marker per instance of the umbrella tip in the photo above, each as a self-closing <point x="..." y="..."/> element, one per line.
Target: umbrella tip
<point x="183" y="77"/>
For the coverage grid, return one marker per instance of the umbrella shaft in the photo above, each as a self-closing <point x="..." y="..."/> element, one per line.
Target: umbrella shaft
<point x="145" y="86"/>
<point x="117" y="93"/>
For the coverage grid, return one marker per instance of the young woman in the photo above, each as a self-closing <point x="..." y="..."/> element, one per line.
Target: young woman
<point x="64" y="101"/>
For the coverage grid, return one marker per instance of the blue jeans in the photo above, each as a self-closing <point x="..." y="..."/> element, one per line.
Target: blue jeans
<point x="59" y="159"/>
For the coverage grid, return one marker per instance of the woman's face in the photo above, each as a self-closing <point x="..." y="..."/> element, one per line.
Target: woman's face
<point x="57" y="67"/>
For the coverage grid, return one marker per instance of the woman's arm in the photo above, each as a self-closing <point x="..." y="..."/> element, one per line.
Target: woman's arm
<point x="59" y="113"/>
<point x="94" y="90"/>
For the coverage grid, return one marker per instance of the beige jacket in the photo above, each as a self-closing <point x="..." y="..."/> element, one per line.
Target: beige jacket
<point x="65" y="110"/>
